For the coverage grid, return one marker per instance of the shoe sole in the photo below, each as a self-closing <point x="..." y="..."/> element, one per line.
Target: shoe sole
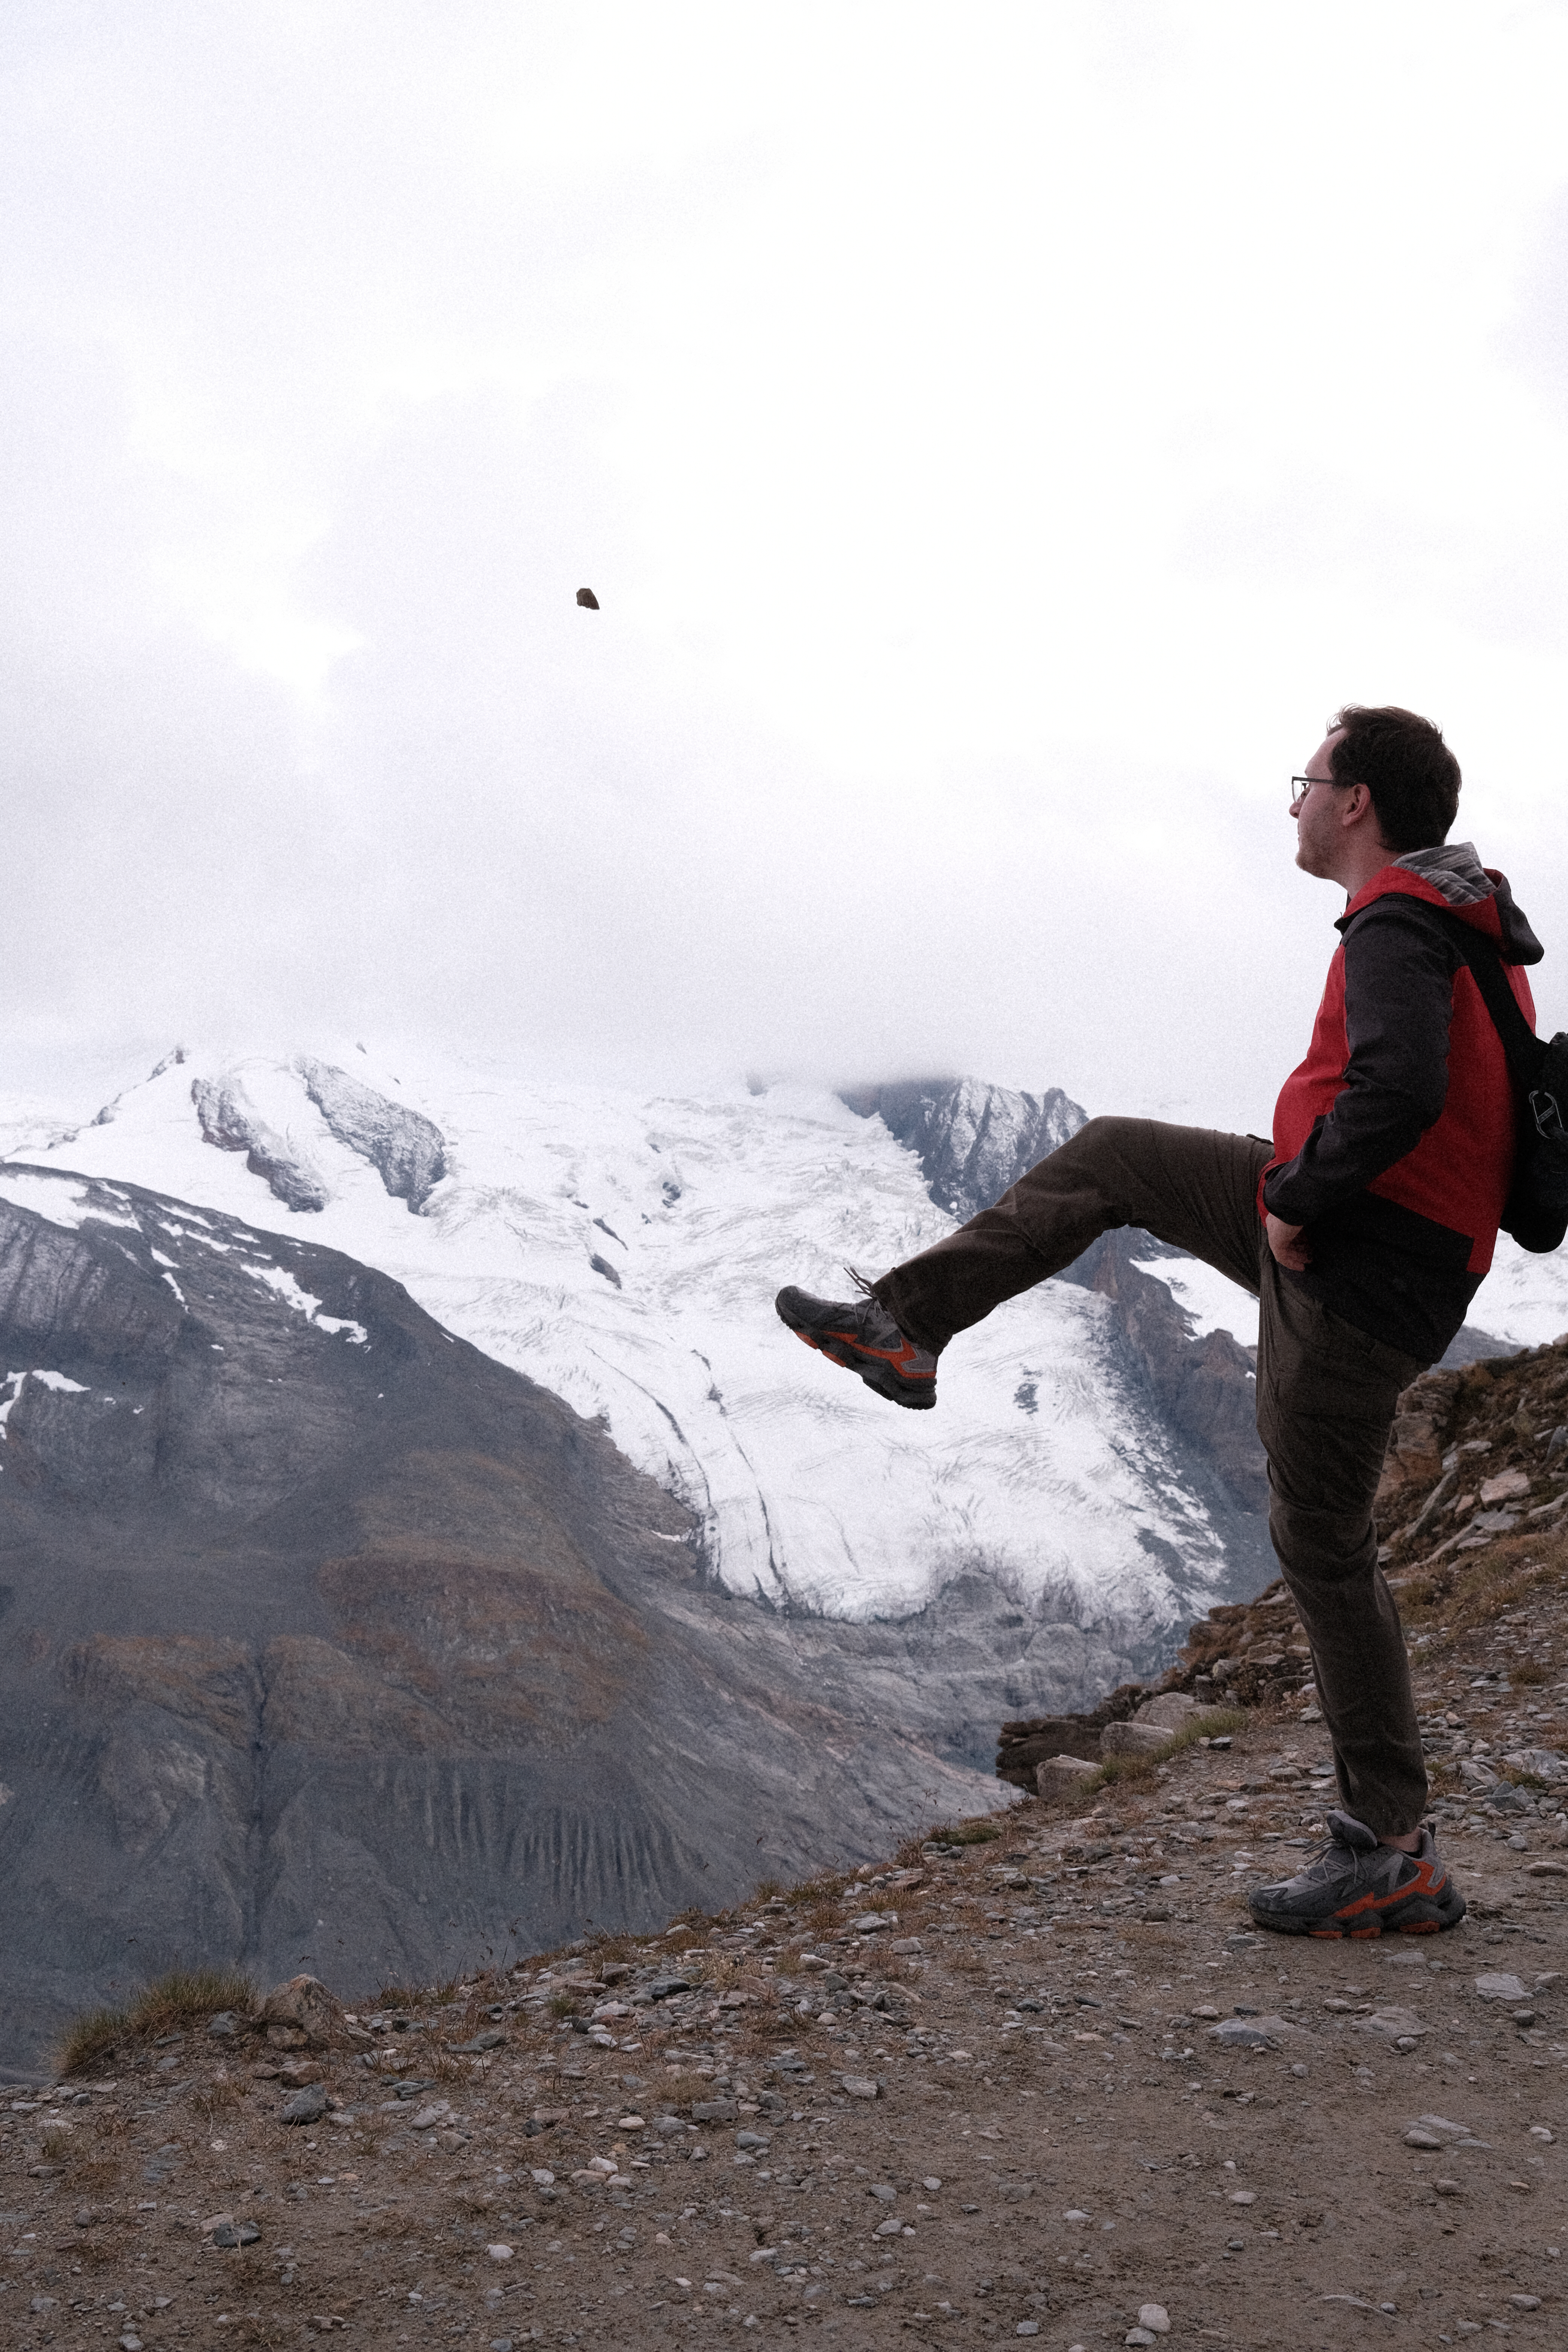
<point x="879" y="1372"/>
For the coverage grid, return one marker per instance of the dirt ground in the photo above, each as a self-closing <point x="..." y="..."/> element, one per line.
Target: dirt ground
<point x="1055" y="2139"/>
<point x="1025" y="2082"/>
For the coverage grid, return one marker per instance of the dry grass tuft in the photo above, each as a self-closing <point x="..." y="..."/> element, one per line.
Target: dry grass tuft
<point x="189" y="1996"/>
<point x="223" y="2093"/>
<point x="184" y="1998"/>
<point x="90" y="2036"/>
<point x="1139" y="1771"/>
<point x="92" y="2173"/>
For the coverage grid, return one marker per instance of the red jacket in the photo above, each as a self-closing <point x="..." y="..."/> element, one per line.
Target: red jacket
<point x="1393" y="1139"/>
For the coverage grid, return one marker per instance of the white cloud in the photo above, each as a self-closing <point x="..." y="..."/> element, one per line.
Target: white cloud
<point x="996" y="443"/>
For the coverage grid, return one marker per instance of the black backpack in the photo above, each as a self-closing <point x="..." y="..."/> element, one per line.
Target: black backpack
<point x="1536" y="1213"/>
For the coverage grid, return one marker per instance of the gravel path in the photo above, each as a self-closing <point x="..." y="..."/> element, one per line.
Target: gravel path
<point x="1022" y="2102"/>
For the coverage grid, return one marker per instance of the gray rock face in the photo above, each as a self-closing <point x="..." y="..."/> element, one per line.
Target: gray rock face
<point x="972" y="1140"/>
<point x="231" y="1123"/>
<point x="1204" y="1389"/>
<point x="334" y="1645"/>
<point x="407" y="1150"/>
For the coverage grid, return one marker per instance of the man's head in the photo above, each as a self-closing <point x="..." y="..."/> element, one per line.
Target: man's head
<point x="1403" y="761"/>
<point x="1382" y="783"/>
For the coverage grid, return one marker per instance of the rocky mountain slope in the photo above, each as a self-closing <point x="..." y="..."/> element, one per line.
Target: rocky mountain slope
<point x="1473" y="1502"/>
<point x="326" y="1635"/>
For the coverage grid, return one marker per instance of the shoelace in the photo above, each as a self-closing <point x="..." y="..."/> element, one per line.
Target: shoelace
<point x="1337" y="1846"/>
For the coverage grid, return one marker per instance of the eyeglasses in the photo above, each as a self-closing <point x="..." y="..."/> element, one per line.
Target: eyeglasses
<point x="1302" y="785"/>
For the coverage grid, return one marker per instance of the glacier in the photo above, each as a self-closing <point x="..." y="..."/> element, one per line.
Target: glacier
<point x="623" y="1250"/>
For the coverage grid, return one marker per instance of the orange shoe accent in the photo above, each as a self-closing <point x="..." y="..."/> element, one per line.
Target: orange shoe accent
<point x="895" y="1359"/>
<point x="1426" y="1881"/>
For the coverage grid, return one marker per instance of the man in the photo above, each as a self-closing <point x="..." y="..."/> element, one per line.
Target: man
<point x="1364" y="1232"/>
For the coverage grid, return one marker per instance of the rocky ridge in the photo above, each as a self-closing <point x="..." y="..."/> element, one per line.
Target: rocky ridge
<point x="1473" y="1512"/>
<point x="973" y="1139"/>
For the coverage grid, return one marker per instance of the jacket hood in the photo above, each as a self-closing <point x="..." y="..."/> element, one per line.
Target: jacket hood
<point x="1453" y="877"/>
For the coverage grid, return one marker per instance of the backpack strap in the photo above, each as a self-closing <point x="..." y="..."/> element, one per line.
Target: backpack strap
<point x="1525" y="1051"/>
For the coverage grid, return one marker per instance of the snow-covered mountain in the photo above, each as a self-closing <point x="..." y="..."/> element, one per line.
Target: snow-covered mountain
<point x="624" y="1252"/>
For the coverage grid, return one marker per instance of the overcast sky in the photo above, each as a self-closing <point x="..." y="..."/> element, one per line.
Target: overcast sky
<point x="997" y="438"/>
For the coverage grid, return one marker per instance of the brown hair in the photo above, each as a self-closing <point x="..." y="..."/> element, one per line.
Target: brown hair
<point x="1403" y="761"/>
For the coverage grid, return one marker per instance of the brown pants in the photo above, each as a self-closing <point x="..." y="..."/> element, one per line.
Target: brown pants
<point x="1326" y="1396"/>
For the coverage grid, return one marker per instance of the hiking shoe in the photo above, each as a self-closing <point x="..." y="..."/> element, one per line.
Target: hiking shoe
<point x="864" y="1339"/>
<point x="1358" y="1887"/>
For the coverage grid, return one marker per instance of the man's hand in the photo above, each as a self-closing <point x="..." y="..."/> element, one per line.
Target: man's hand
<point x="1286" y="1244"/>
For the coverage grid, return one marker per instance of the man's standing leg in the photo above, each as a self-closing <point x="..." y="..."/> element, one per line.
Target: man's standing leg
<point x="1326" y="1397"/>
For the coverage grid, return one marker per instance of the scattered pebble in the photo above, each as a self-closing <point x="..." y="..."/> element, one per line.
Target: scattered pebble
<point x="1500" y="1988"/>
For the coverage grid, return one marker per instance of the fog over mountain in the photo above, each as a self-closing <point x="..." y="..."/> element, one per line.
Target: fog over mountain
<point x="978" y="541"/>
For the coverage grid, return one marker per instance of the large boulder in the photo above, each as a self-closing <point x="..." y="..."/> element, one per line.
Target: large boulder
<point x="302" y="2008"/>
<point x="1133" y="1739"/>
<point x="1061" y="1776"/>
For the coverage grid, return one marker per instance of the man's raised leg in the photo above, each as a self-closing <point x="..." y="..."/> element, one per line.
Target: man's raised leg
<point x="1191" y="1186"/>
